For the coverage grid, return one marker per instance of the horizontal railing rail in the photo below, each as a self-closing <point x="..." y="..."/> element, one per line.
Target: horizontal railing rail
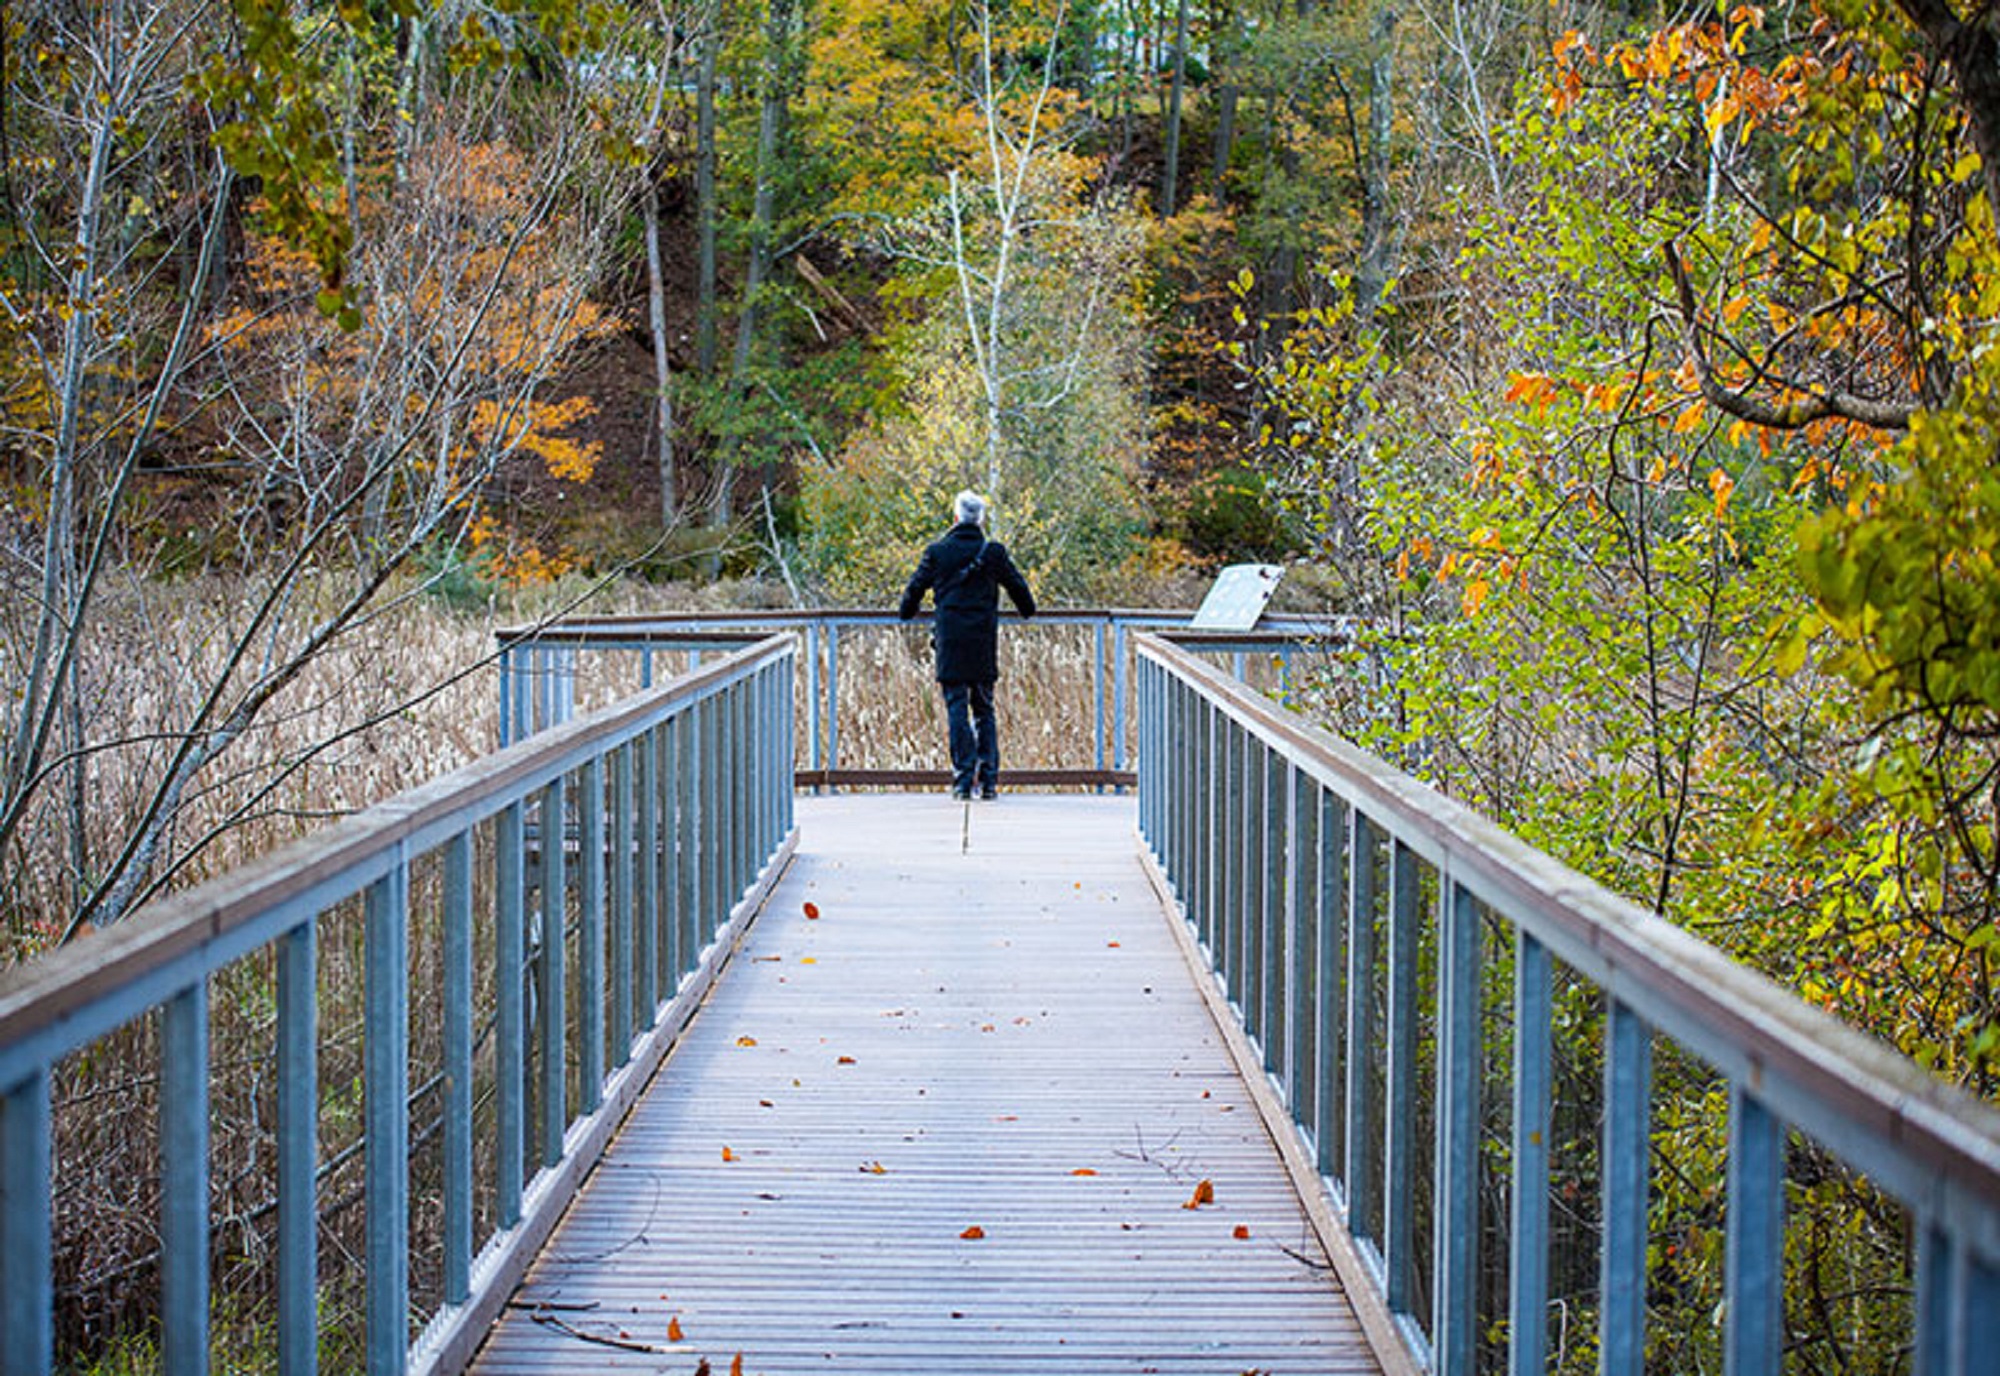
<point x="1269" y="835"/>
<point x="538" y="672"/>
<point x="650" y="830"/>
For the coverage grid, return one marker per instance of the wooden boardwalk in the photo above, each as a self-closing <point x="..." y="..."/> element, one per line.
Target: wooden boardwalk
<point x="952" y="1124"/>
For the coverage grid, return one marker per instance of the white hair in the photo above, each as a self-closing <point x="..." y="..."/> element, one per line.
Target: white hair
<point x="969" y="506"/>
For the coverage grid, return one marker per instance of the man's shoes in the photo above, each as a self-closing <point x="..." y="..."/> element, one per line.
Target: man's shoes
<point x="961" y="795"/>
<point x="988" y="794"/>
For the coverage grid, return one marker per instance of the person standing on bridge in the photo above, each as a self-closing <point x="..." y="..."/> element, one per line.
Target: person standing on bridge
<point x="964" y="572"/>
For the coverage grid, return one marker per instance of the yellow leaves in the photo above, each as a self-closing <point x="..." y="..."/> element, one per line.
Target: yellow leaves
<point x="1204" y="1193"/>
<point x="1689" y="418"/>
<point x="1722" y="486"/>
<point x="1532" y="390"/>
<point x="873" y="1168"/>
<point x="746" y="1041"/>
<point x="533" y="426"/>
<point x="1475" y="595"/>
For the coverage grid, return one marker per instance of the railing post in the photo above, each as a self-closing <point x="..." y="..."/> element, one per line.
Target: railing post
<point x="1329" y="917"/>
<point x="27" y="1295"/>
<point x="654" y="833"/>
<point x="812" y="699"/>
<point x="510" y="1036"/>
<point x="665" y="949"/>
<point x="1360" y="1099"/>
<point x="832" y="697"/>
<point x="506" y="668"/>
<point x="1118" y="690"/>
<point x="1229" y="859"/>
<point x="1754" y="1227"/>
<point x="458" y="1068"/>
<point x="184" y="1182"/>
<point x="553" y="985"/>
<point x="624" y="835"/>
<point x="590" y="949"/>
<point x="1625" y="1163"/>
<point x="1302" y="969"/>
<point x="298" y="1151"/>
<point x="386" y="1115"/>
<point x="1097" y="689"/>
<point x="1252" y="858"/>
<point x="1399" y="1159"/>
<point x="688" y="836"/>
<point x="1455" y="1201"/>
<point x="1275" y="983"/>
<point x="1528" y="1235"/>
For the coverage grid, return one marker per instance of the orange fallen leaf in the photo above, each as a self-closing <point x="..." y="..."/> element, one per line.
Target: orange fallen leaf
<point x="874" y="1168"/>
<point x="812" y="912"/>
<point x="988" y="1027"/>
<point x="1007" y="1118"/>
<point x="674" y="1329"/>
<point x="1083" y="1170"/>
<point x="845" y="1060"/>
<point x="764" y="1103"/>
<point x="974" y="1233"/>
<point x="728" y="1155"/>
<point x="1241" y="1232"/>
<point x="808" y="960"/>
<point x="1204" y="1193"/>
<point x="736" y="1365"/>
<point x="1111" y="944"/>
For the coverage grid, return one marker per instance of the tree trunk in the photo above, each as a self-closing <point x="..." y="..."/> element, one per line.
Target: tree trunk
<point x="656" y="302"/>
<point x="1371" y="278"/>
<point x="1171" y="165"/>
<point x="704" y="182"/>
<point x="1225" y="136"/>
<point x="770" y="122"/>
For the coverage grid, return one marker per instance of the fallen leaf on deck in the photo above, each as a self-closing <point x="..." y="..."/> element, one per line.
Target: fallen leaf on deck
<point x="808" y="960"/>
<point x="1112" y="944"/>
<point x="736" y="1365"/>
<point x="1241" y="1232"/>
<point x="988" y="1027"/>
<point x="1204" y="1193"/>
<point x="1083" y="1170"/>
<point x="764" y="1103"/>
<point x="845" y="1060"/>
<point x="812" y="912"/>
<point x="728" y="1155"/>
<point x="746" y="1041"/>
<point x="674" y="1329"/>
<point x="874" y="1168"/>
<point x="974" y="1233"/>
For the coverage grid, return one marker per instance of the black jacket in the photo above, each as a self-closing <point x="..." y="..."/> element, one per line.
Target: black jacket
<point x="964" y="573"/>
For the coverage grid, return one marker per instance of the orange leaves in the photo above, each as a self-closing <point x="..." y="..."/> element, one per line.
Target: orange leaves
<point x="674" y="1332"/>
<point x="728" y="1155"/>
<point x="873" y="1168"/>
<point x="811" y="911"/>
<point x="746" y="1041"/>
<point x="1532" y="390"/>
<point x="1241" y="1232"/>
<point x="973" y="1234"/>
<point x="1083" y="1170"/>
<point x="1722" y="487"/>
<point x="1204" y="1193"/>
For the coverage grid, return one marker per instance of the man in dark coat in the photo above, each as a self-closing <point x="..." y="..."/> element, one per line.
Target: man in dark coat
<point x="964" y="573"/>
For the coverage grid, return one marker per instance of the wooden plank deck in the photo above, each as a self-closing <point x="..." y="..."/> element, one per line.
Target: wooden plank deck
<point x="1002" y="1039"/>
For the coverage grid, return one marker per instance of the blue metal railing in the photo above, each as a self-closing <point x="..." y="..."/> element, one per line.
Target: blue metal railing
<point x="659" y="823"/>
<point x="538" y="666"/>
<point x="1269" y="836"/>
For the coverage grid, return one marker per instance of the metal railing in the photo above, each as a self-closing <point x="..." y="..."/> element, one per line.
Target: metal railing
<point x="652" y="829"/>
<point x="1270" y="835"/>
<point x="538" y="669"/>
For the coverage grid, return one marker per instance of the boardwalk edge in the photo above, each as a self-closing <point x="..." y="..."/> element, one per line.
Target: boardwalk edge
<point x="454" y="1338"/>
<point x="1357" y="1281"/>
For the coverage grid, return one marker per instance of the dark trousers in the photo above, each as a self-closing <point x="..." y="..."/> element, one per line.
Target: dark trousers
<point x="975" y="736"/>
